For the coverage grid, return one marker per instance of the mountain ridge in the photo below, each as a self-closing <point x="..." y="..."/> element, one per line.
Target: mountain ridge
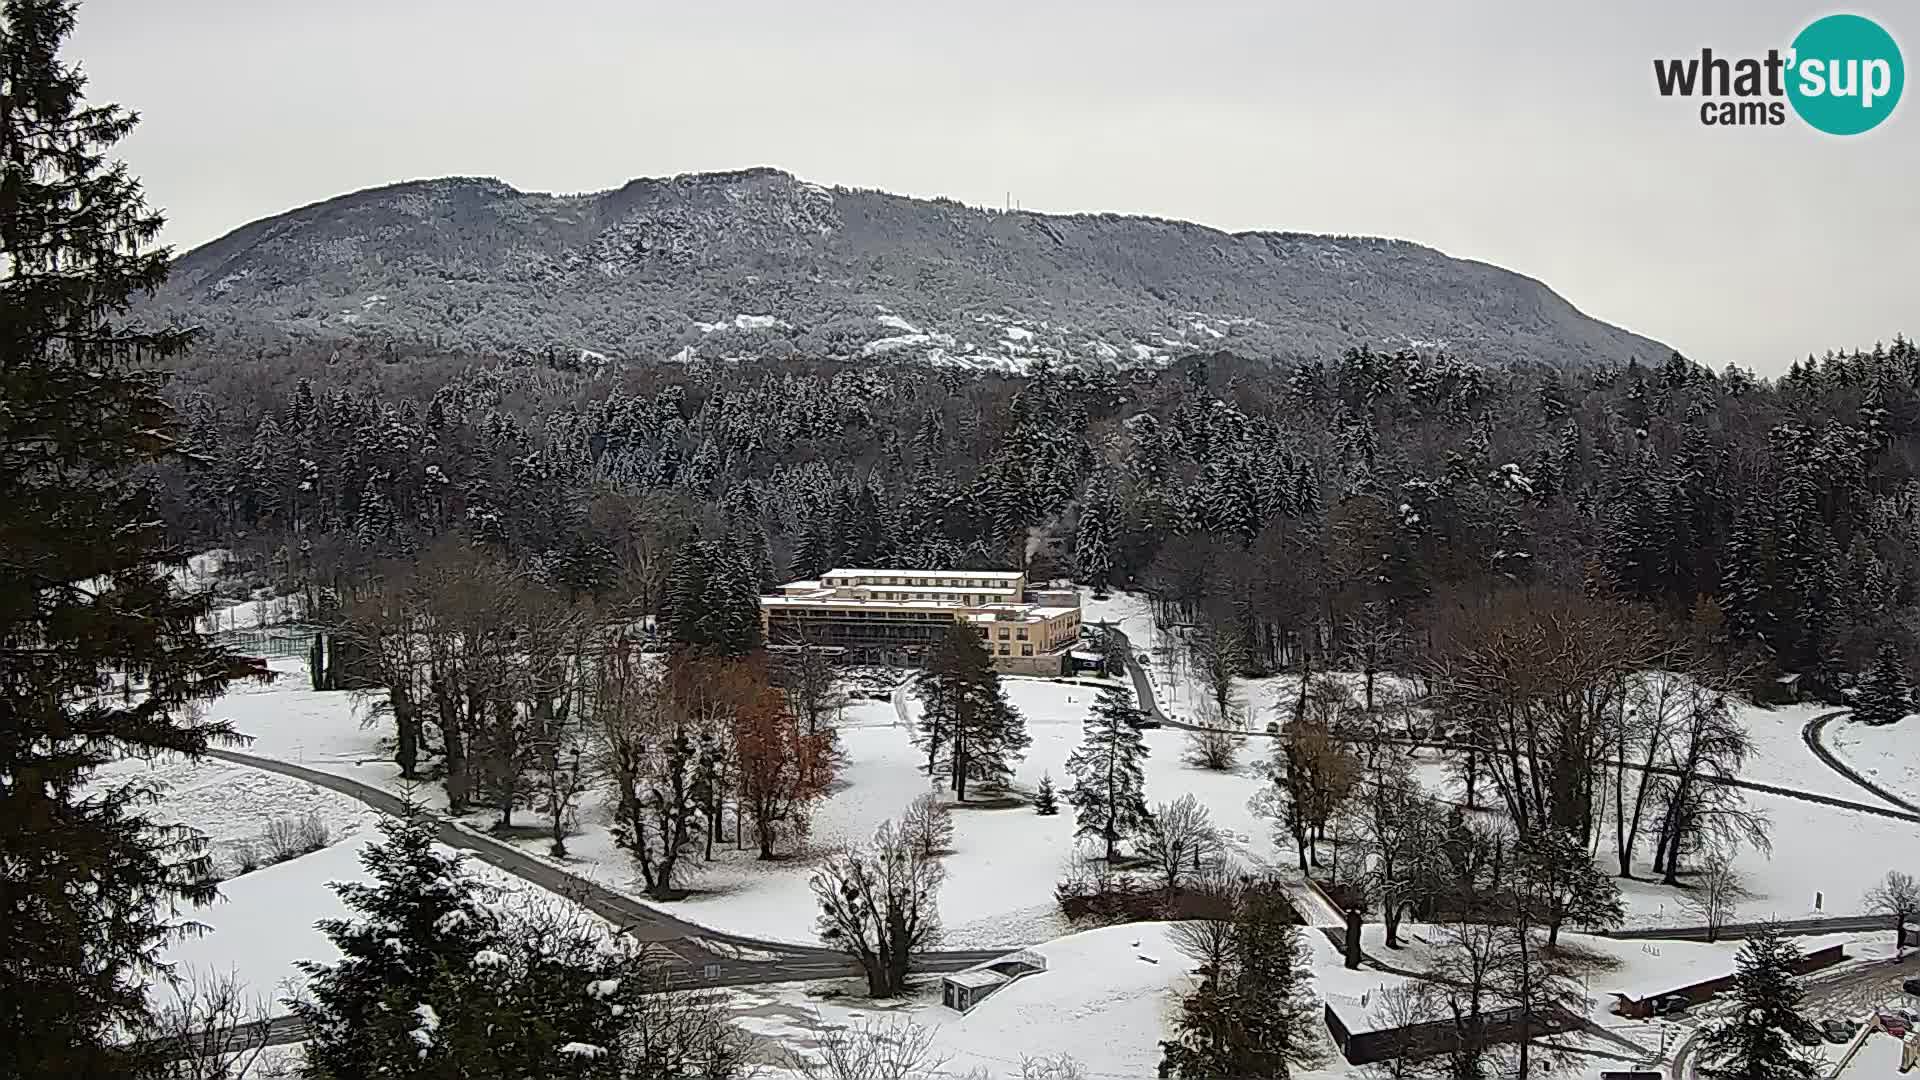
<point x="759" y="263"/>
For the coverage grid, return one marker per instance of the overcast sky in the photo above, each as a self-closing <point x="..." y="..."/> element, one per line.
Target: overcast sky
<point x="1521" y="133"/>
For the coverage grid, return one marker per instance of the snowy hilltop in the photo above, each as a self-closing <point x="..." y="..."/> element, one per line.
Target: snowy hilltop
<point x="718" y="266"/>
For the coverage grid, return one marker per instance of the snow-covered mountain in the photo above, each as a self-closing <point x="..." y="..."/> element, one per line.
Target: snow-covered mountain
<point x="759" y="263"/>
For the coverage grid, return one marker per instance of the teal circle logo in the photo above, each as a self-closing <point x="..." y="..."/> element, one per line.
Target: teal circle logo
<point x="1846" y="74"/>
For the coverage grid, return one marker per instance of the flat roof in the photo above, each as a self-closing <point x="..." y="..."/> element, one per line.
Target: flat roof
<point x="976" y="977"/>
<point x="1002" y="574"/>
<point x="935" y="588"/>
<point x="985" y="613"/>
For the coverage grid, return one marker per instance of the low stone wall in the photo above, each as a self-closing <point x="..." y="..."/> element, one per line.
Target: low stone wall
<point x="1696" y="993"/>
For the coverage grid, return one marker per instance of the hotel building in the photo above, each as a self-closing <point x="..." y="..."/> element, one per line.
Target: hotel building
<point x="899" y="616"/>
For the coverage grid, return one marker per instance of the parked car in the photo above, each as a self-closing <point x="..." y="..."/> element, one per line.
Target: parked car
<point x="1912" y="986"/>
<point x="1837" y="1030"/>
<point x="1805" y="1033"/>
<point x="1671" y="1005"/>
<point x="1893" y="1024"/>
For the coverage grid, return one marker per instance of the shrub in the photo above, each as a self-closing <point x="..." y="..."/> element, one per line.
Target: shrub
<point x="1213" y="746"/>
<point x="292" y="837"/>
<point x="246" y="858"/>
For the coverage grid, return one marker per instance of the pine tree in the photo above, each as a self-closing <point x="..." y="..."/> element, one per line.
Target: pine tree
<point x="979" y="733"/>
<point x="88" y="879"/>
<point x="1255" y="1016"/>
<point x="1885" y="695"/>
<point x="1093" y="536"/>
<point x="417" y="931"/>
<point x="1107" y="793"/>
<point x="1044" y="801"/>
<point x="437" y="979"/>
<point x="1754" y="1040"/>
<point x="713" y="600"/>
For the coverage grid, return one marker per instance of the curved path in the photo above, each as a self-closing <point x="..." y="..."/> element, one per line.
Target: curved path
<point x="1143" y="690"/>
<point x="700" y="955"/>
<point x="1812" y="732"/>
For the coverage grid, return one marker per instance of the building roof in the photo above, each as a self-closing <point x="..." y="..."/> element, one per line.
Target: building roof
<point x="955" y="589"/>
<point x="976" y="977"/>
<point x="999" y="575"/>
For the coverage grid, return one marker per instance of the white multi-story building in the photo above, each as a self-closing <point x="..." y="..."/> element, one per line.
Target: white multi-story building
<point x="898" y="616"/>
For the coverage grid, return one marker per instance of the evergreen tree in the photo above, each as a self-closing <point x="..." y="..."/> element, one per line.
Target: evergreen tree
<point x="974" y="733"/>
<point x="713" y="600"/>
<point x="1107" y="792"/>
<point x="1885" y="695"/>
<point x="100" y="651"/>
<point x="1045" y="803"/>
<point x="438" y="981"/>
<point x="1093" y="536"/>
<point x="1754" y="1040"/>
<point x="1255" y="1016"/>
<point x="418" y="929"/>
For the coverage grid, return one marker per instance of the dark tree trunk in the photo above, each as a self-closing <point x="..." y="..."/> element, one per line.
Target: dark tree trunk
<point x="406" y="723"/>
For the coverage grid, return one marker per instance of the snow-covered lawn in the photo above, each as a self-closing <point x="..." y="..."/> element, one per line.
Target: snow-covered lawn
<point x="232" y="805"/>
<point x="265" y="921"/>
<point x="1001" y="873"/>
<point x="1107" y="999"/>
<point x="1888" y="755"/>
<point x="1005" y="860"/>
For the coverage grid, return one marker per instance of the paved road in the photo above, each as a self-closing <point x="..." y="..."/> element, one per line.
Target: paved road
<point x="1811" y="734"/>
<point x="691" y="957"/>
<point x="699" y="956"/>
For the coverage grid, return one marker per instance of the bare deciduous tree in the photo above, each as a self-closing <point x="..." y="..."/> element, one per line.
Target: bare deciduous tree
<point x="1207" y="935"/>
<point x="1399" y="834"/>
<point x="927" y="824"/>
<point x="1374" y="636"/>
<point x="209" y="1031"/>
<point x="1181" y="843"/>
<point x="879" y="904"/>
<point x="1213" y="744"/>
<point x="1399" y="1009"/>
<point x="1896" y="896"/>
<point x="648" y="755"/>
<point x="1312" y="772"/>
<point x="894" y="1049"/>
<point x="1218" y="650"/>
<point x="1716" y="893"/>
<point x="1532" y="680"/>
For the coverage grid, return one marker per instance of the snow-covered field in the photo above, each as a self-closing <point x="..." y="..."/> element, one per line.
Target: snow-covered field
<point x="232" y="805"/>
<point x="1006" y="860"/>
<point x="1888" y="756"/>
<point x="1001" y="873"/>
<point x="1823" y="858"/>
<point x="1107" y="998"/>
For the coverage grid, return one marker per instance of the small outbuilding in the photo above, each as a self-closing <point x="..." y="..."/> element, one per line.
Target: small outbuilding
<point x="962" y="990"/>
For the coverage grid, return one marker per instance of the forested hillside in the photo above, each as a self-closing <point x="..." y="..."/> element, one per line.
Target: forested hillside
<point x="1305" y="506"/>
<point x="760" y="265"/>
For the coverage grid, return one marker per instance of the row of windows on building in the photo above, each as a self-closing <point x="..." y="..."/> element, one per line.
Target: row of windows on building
<point x="950" y="583"/>
<point x="1001" y="647"/>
